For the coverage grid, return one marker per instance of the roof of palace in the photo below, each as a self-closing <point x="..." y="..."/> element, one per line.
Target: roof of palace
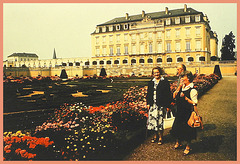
<point x="154" y="15"/>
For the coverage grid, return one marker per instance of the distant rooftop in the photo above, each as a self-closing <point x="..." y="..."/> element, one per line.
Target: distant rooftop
<point x="23" y="55"/>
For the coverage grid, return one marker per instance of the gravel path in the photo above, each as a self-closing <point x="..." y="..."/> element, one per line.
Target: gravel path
<point x="216" y="142"/>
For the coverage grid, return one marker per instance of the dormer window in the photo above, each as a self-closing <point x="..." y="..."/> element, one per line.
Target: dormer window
<point x="125" y="26"/>
<point x="168" y="21"/>
<point x="187" y="19"/>
<point x="197" y="18"/>
<point x="177" y="20"/>
<point x="104" y="29"/>
<point x="110" y="28"/>
<point x="97" y="30"/>
<point x="118" y="27"/>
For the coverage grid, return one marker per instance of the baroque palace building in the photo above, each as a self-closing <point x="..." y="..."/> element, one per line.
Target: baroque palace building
<point x="137" y="43"/>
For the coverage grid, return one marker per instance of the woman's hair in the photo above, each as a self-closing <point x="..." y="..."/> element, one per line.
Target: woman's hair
<point x="159" y="69"/>
<point x="189" y="75"/>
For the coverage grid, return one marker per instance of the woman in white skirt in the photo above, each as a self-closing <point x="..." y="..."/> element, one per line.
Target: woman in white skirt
<point x="159" y="98"/>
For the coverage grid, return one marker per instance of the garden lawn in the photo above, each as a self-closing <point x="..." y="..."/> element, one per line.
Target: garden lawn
<point x="216" y="142"/>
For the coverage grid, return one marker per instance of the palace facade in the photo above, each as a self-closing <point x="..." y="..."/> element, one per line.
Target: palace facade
<point x="166" y="37"/>
<point x="136" y="43"/>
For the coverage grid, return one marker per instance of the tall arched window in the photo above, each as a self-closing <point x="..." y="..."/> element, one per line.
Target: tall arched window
<point x="180" y="59"/>
<point x="94" y="63"/>
<point x="116" y="62"/>
<point x="125" y="61"/>
<point x="169" y="60"/>
<point x="133" y="61"/>
<point x="159" y="60"/>
<point x="150" y="60"/>
<point x="190" y="59"/>
<point x="141" y="61"/>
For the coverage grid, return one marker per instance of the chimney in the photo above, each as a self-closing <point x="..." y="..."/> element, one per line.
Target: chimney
<point x="166" y="11"/>
<point x="143" y="13"/>
<point x="185" y="8"/>
<point x="127" y="16"/>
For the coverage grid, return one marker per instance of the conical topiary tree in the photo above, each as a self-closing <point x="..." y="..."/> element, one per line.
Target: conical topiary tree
<point x="217" y="71"/>
<point x="63" y="74"/>
<point x="103" y="72"/>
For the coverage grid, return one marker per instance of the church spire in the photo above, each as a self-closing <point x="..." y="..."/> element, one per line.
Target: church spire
<point x="54" y="54"/>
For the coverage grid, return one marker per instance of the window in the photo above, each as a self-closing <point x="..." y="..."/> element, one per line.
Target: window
<point x="133" y="36"/>
<point x="63" y="64"/>
<point x="118" y="50"/>
<point x="109" y="62"/>
<point x="179" y="59"/>
<point x="70" y="64"/>
<point x="178" y="33"/>
<point x="133" y="61"/>
<point x="159" y="60"/>
<point x="125" y="37"/>
<point x="104" y="29"/>
<point x="202" y="58"/>
<point x="141" y="61"/>
<point x="188" y="46"/>
<point x="125" y="26"/>
<point x="116" y="61"/>
<point x="87" y="63"/>
<point x="133" y="49"/>
<point x="198" y="32"/>
<point x="168" y="47"/>
<point x="168" y="34"/>
<point x="97" y="51"/>
<point x="198" y="45"/>
<point x="159" y="35"/>
<point x="159" y="47"/>
<point x="97" y="30"/>
<point x="118" y="27"/>
<point x="101" y="62"/>
<point x="150" y="35"/>
<point x="150" y="47"/>
<point x="118" y="38"/>
<point x="125" y="61"/>
<point x="190" y="59"/>
<point x="187" y="32"/>
<point x="142" y="49"/>
<point x="111" y="50"/>
<point x="104" y="51"/>
<point x="110" y="38"/>
<point x="197" y="18"/>
<point x="94" y="63"/>
<point x="97" y="40"/>
<point x="110" y="28"/>
<point x="178" y="46"/>
<point x="104" y="39"/>
<point x="126" y="49"/>
<point x="169" y="60"/>
<point x="168" y="21"/>
<point x="177" y="20"/>
<point x="187" y="19"/>
<point x="77" y="64"/>
<point x="150" y="60"/>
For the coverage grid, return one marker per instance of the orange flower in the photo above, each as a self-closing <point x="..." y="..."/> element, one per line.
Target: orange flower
<point x="17" y="151"/>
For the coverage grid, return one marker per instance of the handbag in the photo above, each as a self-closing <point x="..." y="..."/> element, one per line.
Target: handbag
<point x="195" y="121"/>
<point x="168" y="121"/>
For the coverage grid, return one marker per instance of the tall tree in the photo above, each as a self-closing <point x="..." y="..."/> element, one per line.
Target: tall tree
<point x="228" y="45"/>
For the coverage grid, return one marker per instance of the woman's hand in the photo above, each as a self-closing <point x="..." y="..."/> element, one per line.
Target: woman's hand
<point x="182" y="95"/>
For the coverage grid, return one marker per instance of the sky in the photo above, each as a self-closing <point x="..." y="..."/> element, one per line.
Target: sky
<point x="39" y="28"/>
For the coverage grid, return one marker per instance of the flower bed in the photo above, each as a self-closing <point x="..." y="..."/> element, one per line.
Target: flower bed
<point x="79" y="132"/>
